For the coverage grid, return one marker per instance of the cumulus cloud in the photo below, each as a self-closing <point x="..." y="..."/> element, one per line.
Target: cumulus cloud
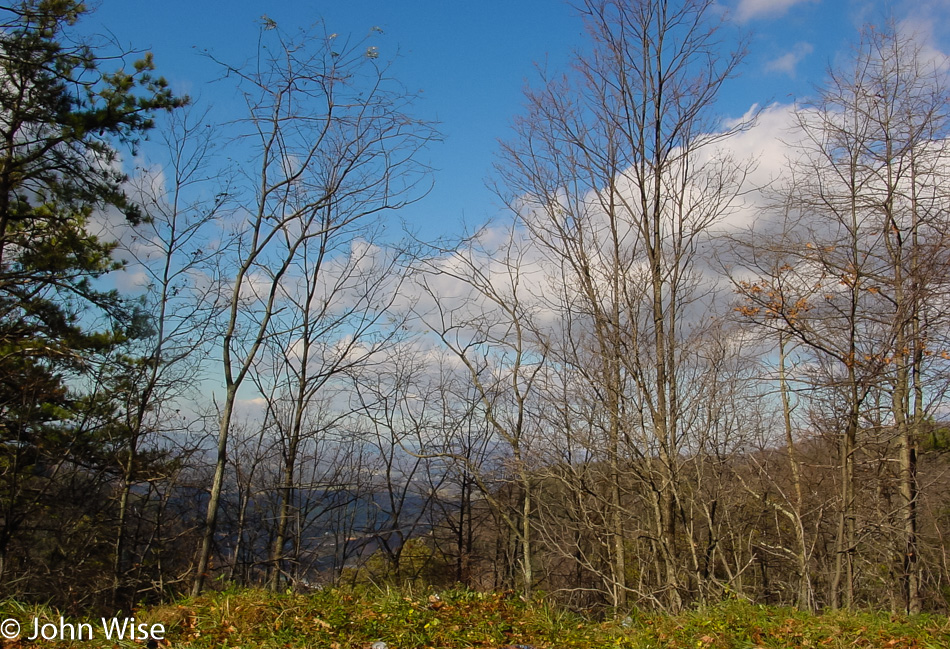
<point x="788" y="62"/>
<point x="920" y="28"/>
<point x="751" y="9"/>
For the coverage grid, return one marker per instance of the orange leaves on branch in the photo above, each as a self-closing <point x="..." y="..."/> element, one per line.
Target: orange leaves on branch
<point x="750" y="288"/>
<point x="772" y="302"/>
<point x="800" y="306"/>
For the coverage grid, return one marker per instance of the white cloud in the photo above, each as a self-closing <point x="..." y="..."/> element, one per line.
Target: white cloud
<point x="920" y="28"/>
<point x="765" y="146"/>
<point x="131" y="281"/>
<point x="750" y="9"/>
<point x="787" y="63"/>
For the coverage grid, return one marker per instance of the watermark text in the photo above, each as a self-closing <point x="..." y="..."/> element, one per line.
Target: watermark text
<point x="115" y="628"/>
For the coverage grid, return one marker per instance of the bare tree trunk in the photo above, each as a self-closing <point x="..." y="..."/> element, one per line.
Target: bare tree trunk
<point x="806" y="598"/>
<point x="214" y="497"/>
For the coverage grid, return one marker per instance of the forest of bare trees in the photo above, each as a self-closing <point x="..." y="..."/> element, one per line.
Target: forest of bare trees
<point x="661" y="379"/>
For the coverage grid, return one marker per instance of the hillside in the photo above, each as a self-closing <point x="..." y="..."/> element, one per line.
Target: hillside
<point x="336" y="619"/>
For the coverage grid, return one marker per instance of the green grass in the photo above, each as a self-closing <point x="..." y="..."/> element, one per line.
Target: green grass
<point x="346" y="619"/>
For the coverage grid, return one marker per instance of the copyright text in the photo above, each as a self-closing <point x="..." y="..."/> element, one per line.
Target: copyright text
<point x="109" y="628"/>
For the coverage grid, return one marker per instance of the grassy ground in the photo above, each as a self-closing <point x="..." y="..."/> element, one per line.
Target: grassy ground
<point x="334" y="619"/>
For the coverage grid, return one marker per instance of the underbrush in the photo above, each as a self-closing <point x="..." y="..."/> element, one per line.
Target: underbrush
<point x="456" y="619"/>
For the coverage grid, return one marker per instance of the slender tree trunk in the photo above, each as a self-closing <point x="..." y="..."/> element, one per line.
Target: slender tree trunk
<point x="806" y="601"/>
<point x="526" y="558"/>
<point x="283" y="520"/>
<point x="214" y="499"/>
<point x="288" y="485"/>
<point x="118" y="562"/>
<point x="908" y="455"/>
<point x="843" y="580"/>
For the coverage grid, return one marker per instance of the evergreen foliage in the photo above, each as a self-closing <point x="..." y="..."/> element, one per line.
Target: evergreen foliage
<point x="62" y="117"/>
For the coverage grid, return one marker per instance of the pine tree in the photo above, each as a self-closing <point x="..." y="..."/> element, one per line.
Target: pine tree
<point x="62" y="121"/>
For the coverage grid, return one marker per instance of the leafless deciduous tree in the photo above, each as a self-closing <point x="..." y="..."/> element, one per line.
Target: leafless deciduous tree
<point x="857" y="277"/>
<point x="333" y="144"/>
<point x="335" y="316"/>
<point x="614" y="172"/>
<point x="482" y="314"/>
<point x="174" y="253"/>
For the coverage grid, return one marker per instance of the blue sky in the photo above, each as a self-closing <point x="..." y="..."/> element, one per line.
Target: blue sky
<point x="470" y="61"/>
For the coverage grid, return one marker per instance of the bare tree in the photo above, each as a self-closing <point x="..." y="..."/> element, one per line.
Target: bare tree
<point x="174" y="252"/>
<point x="335" y="317"/>
<point x="333" y="145"/>
<point x="396" y="403"/>
<point x="614" y="172"/>
<point x="481" y="312"/>
<point x="856" y="276"/>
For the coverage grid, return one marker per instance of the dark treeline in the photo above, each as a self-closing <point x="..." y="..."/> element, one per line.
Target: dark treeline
<point x="659" y="383"/>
